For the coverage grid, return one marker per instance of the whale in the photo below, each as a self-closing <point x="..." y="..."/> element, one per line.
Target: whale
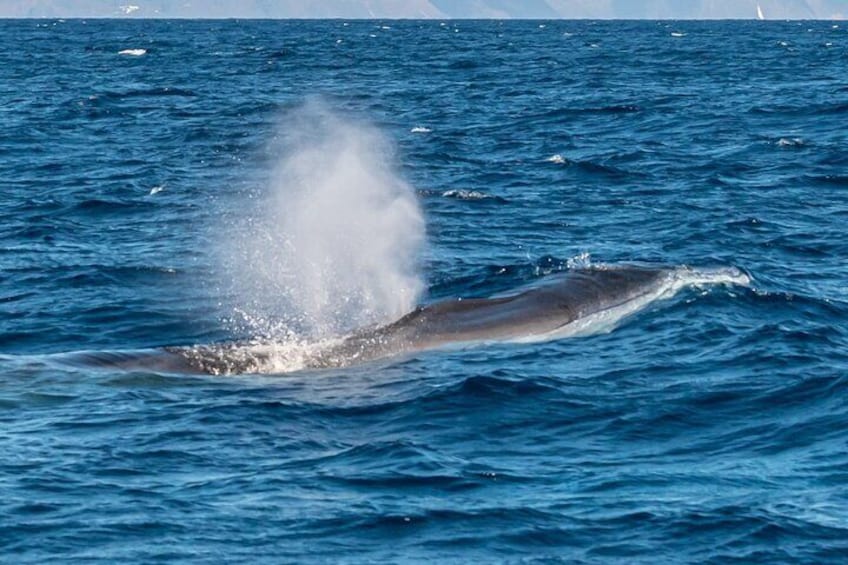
<point x="570" y="303"/>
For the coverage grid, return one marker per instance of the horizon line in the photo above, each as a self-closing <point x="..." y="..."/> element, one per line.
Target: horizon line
<point x="419" y="19"/>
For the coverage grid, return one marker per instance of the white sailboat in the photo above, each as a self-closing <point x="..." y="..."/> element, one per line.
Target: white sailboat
<point x="760" y="15"/>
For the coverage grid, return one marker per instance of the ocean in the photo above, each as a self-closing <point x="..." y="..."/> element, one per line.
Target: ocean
<point x="197" y="183"/>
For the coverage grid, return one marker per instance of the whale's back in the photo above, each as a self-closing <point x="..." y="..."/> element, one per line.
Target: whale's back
<point x="535" y="311"/>
<point x="556" y="302"/>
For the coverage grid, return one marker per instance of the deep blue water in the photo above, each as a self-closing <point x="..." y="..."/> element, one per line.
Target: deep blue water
<point x="712" y="427"/>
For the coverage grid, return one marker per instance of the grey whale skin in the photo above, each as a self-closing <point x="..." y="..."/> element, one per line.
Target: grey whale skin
<point x="544" y="308"/>
<point x="552" y="304"/>
<point x="540" y="311"/>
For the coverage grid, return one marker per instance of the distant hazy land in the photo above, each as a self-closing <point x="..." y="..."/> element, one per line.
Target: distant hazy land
<point x="498" y="9"/>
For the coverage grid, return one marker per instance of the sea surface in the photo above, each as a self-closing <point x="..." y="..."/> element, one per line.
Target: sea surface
<point x="145" y="177"/>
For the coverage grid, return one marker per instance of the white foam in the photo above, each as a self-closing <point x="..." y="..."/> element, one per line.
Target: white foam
<point x="676" y="279"/>
<point x="464" y="194"/>
<point x="420" y="129"/>
<point x="677" y="34"/>
<point x="790" y="142"/>
<point x="133" y="52"/>
<point x="688" y="276"/>
<point x="273" y="357"/>
<point x="581" y="261"/>
<point x="156" y="190"/>
<point x="558" y="159"/>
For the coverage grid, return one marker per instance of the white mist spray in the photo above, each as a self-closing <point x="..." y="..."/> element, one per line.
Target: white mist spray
<point x="335" y="242"/>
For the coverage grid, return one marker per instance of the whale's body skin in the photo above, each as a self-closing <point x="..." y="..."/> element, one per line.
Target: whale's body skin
<point x="166" y="360"/>
<point x="535" y="313"/>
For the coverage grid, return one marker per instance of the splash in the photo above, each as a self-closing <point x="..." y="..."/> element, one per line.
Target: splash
<point x="335" y="240"/>
<point x="675" y="280"/>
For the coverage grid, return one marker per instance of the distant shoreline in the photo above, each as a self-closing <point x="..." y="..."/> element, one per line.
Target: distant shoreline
<point x="396" y="19"/>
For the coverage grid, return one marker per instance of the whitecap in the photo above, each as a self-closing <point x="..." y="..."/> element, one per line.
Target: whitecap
<point x="677" y="34"/>
<point x="692" y="276"/>
<point x="558" y="159"/>
<point x="156" y="190"/>
<point x="790" y="142"/>
<point x="581" y="261"/>
<point x="420" y="129"/>
<point x="465" y="194"/>
<point x="133" y="52"/>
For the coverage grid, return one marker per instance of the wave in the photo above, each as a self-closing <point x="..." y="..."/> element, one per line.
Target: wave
<point x="802" y="110"/>
<point x="462" y="194"/>
<point x="499" y="278"/>
<point x="610" y="109"/>
<point x="463" y="64"/>
<point x="100" y="206"/>
<point x="143" y="93"/>
<point x="790" y="142"/>
<point x="837" y="180"/>
<point x="591" y="167"/>
<point x="465" y="194"/>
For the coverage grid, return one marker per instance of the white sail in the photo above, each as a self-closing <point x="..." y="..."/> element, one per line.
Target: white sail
<point x="760" y="15"/>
